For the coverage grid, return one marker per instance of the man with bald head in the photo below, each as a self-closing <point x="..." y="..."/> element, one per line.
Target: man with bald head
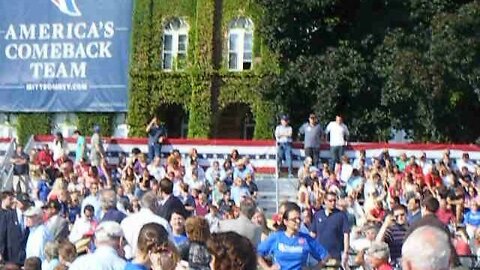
<point x="427" y="248"/>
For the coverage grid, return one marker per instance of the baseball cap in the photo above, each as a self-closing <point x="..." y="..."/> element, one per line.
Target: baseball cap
<point x="313" y="169"/>
<point x="96" y="128"/>
<point x="33" y="211"/>
<point x="284" y="117"/>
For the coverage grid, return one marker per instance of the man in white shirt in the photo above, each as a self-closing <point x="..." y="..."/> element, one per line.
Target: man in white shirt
<point x="132" y="224"/>
<point x="283" y="136"/>
<point x="107" y="256"/>
<point x="156" y="169"/>
<point x="39" y="234"/>
<point x="338" y="132"/>
<point x="213" y="173"/>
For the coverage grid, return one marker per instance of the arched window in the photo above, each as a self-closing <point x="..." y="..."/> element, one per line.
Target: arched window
<point x="240" y="44"/>
<point x="175" y="43"/>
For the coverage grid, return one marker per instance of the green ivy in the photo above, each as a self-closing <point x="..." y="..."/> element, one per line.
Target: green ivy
<point x="193" y="87"/>
<point x="86" y="122"/>
<point x="29" y="124"/>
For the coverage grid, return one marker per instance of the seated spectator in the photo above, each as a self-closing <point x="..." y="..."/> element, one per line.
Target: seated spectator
<point x="213" y="173"/>
<point x="227" y="173"/>
<point x="252" y="187"/>
<point x="304" y="171"/>
<point x="156" y="169"/>
<point x="239" y="191"/>
<point x="241" y="170"/>
<point x="201" y="205"/>
<point x="213" y="217"/>
<point x="226" y="203"/>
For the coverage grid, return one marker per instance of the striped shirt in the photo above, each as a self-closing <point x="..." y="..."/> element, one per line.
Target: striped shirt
<point x="394" y="237"/>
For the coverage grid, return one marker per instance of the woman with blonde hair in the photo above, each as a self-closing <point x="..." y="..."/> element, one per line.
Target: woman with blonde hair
<point x="154" y="251"/>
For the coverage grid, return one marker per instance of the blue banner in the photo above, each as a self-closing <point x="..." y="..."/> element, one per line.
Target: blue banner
<point x="64" y="55"/>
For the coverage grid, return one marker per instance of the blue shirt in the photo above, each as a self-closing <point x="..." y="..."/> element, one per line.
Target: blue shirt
<point x="472" y="218"/>
<point x="180" y="239"/>
<point x="43" y="190"/>
<point x="79" y="148"/>
<point x="155" y="133"/>
<point x="238" y="192"/>
<point x="135" y="266"/>
<point x="37" y="239"/>
<point x="330" y="230"/>
<point x="291" y="253"/>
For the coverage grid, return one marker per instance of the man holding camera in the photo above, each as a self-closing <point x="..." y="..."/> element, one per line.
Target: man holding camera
<point x="156" y="135"/>
<point x="393" y="231"/>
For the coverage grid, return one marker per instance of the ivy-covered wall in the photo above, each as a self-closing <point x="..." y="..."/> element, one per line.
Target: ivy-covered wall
<point x="29" y="124"/>
<point x="205" y="86"/>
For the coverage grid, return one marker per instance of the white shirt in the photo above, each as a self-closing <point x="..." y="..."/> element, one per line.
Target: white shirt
<point x="37" y="239"/>
<point x="346" y="172"/>
<point x="283" y="134"/>
<point x="158" y="172"/>
<point x="132" y="225"/>
<point x="338" y="132"/>
<point x="79" y="229"/>
<point x="104" y="258"/>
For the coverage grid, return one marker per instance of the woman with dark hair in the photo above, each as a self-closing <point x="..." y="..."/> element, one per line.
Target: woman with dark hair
<point x="154" y="251"/>
<point x="59" y="146"/>
<point x="231" y="251"/>
<point x="288" y="246"/>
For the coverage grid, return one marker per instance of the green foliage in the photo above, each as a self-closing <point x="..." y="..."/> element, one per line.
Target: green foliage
<point x="86" y="122"/>
<point x="410" y="65"/>
<point x="29" y="124"/>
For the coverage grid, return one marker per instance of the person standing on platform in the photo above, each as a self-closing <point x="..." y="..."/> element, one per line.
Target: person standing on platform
<point x="81" y="147"/>
<point x="313" y="133"/>
<point x="20" y="170"/>
<point x="283" y="136"/>
<point x="338" y="139"/>
<point x="97" y="153"/>
<point x="156" y="135"/>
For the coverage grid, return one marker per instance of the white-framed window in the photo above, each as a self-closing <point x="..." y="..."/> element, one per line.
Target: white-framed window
<point x="240" y="44"/>
<point x="175" y="44"/>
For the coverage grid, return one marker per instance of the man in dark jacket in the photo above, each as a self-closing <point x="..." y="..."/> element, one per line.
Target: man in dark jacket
<point x="169" y="201"/>
<point x="13" y="232"/>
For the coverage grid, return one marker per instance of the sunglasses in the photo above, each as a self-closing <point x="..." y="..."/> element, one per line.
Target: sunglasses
<point x="399" y="215"/>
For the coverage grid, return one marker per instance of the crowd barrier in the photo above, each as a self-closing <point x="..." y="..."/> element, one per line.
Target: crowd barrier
<point x="262" y="153"/>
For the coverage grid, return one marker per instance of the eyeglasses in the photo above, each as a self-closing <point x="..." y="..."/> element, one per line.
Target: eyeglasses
<point x="295" y="219"/>
<point x="399" y="215"/>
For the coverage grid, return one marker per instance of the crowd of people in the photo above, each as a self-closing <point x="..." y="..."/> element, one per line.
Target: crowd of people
<point x="142" y="212"/>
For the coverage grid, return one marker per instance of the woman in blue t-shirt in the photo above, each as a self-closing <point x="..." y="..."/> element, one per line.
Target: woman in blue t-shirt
<point x="288" y="246"/>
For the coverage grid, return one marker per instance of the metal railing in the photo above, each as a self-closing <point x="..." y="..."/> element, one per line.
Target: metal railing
<point x="6" y="166"/>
